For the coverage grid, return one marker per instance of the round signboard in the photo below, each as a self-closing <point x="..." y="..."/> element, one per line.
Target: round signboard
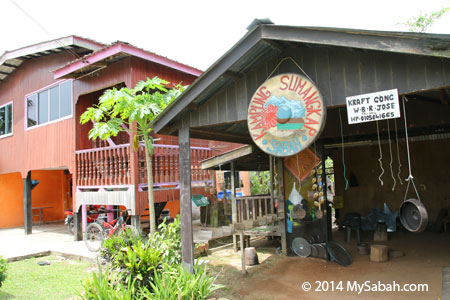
<point x="286" y="115"/>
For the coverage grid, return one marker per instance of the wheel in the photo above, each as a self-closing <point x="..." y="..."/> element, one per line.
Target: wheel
<point x="94" y="236"/>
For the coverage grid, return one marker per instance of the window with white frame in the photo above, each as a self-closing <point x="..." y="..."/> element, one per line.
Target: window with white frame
<point x="50" y="104"/>
<point x="6" y="119"/>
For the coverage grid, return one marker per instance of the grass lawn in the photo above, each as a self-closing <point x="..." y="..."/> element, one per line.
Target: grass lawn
<point x="62" y="279"/>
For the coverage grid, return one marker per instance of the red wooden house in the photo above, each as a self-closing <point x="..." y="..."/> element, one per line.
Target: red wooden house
<point x="44" y="88"/>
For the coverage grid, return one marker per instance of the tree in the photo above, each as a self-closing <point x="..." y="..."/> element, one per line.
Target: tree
<point x="422" y="22"/>
<point x="132" y="110"/>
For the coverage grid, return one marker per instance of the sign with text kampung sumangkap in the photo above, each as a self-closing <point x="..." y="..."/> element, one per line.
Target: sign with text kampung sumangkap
<point x="286" y="114"/>
<point x="373" y="107"/>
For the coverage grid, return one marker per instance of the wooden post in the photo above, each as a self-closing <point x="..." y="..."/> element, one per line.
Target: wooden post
<point x="187" y="243"/>
<point x="272" y="169"/>
<point x="83" y="217"/>
<point x="241" y="241"/>
<point x="28" y="214"/>
<point x="281" y="208"/>
<point x="78" y="234"/>
<point x="134" y="172"/>
<point x="233" y="203"/>
<point x="326" y="220"/>
<point x="136" y="222"/>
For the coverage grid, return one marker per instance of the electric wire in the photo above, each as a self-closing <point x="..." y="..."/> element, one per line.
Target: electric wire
<point x="73" y="53"/>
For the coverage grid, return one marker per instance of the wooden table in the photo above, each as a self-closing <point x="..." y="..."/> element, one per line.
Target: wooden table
<point x="257" y="231"/>
<point x="40" y="212"/>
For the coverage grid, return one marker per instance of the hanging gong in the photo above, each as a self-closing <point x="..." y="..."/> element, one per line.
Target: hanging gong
<point x="314" y="251"/>
<point x="298" y="212"/>
<point x="413" y="215"/>
<point x="319" y="214"/>
<point x="301" y="247"/>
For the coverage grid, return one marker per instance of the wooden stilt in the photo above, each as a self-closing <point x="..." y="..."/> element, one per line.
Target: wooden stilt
<point x="28" y="215"/>
<point x="233" y="203"/>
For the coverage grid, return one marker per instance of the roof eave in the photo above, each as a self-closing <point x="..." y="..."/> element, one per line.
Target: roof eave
<point x="407" y="43"/>
<point x="127" y="49"/>
<point x="49" y="45"/>
<point x="437" y="45"/>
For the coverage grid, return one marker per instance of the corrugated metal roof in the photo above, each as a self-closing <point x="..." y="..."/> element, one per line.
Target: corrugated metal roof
<point x="11" y="60"/>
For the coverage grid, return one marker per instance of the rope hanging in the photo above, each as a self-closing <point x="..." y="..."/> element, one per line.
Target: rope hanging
<point x="390" y="153"/>
<point x="398" y="154"/>
<point x="298" y="66"/>
<point x="410" y="178"/>
<point x="381" y="156"/>
<point x="343" y="153"/>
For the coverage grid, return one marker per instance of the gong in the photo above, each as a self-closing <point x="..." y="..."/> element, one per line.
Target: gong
<point x="413" y="215"/>
<point x="301" y="247"/>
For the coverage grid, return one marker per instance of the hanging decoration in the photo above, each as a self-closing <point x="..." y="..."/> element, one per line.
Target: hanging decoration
<point x="380" y="160"/>
<point x="390" y="153"/>
<point x="398" y="154"/>
<point x="286" y="114"/>
<point x="343" y="151"/>
<point x="413" y="214"/>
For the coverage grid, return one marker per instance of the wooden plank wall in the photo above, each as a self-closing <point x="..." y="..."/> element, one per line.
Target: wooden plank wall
<point x="338" y="72"/>
<point x="429" y="161"/>
<point x="48" y="146"/>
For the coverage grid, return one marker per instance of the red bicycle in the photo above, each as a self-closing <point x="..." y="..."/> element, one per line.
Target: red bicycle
<point x="100" y="230"/>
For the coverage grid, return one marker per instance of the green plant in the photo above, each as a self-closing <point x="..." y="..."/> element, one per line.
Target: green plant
<point x="112" y="245"/>
<point x="178" y="284"/>
<point x="260" y="183"/>
<point x="149" y="269"/>
<point x="139" y="263"/>
<point x="3" y="268"/>
<point x="104" y="285"/>
<point x="132" y="110"/>
<point x="424" y="21"/>
<point x="168" y="241"/>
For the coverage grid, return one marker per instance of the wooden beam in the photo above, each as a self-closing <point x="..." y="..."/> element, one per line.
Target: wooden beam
<point x="281" y="204"/>
<point x="28" y="214"/>
<point x="233" y="203"/>
<point x="187" y="243"/>
<point x="9" y="65"/>
<point x="221" y="136"/>
<point x="232" y="75"/>
<point x="225" y="158"/>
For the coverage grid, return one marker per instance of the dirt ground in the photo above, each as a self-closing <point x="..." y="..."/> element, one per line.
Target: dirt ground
<point x="282" y="277"/>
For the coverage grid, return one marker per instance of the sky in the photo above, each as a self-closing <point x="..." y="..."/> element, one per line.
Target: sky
<point x="195" y="33"/>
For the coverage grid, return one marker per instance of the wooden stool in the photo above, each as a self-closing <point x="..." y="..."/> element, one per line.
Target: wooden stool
<point x="379" y="253"/>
